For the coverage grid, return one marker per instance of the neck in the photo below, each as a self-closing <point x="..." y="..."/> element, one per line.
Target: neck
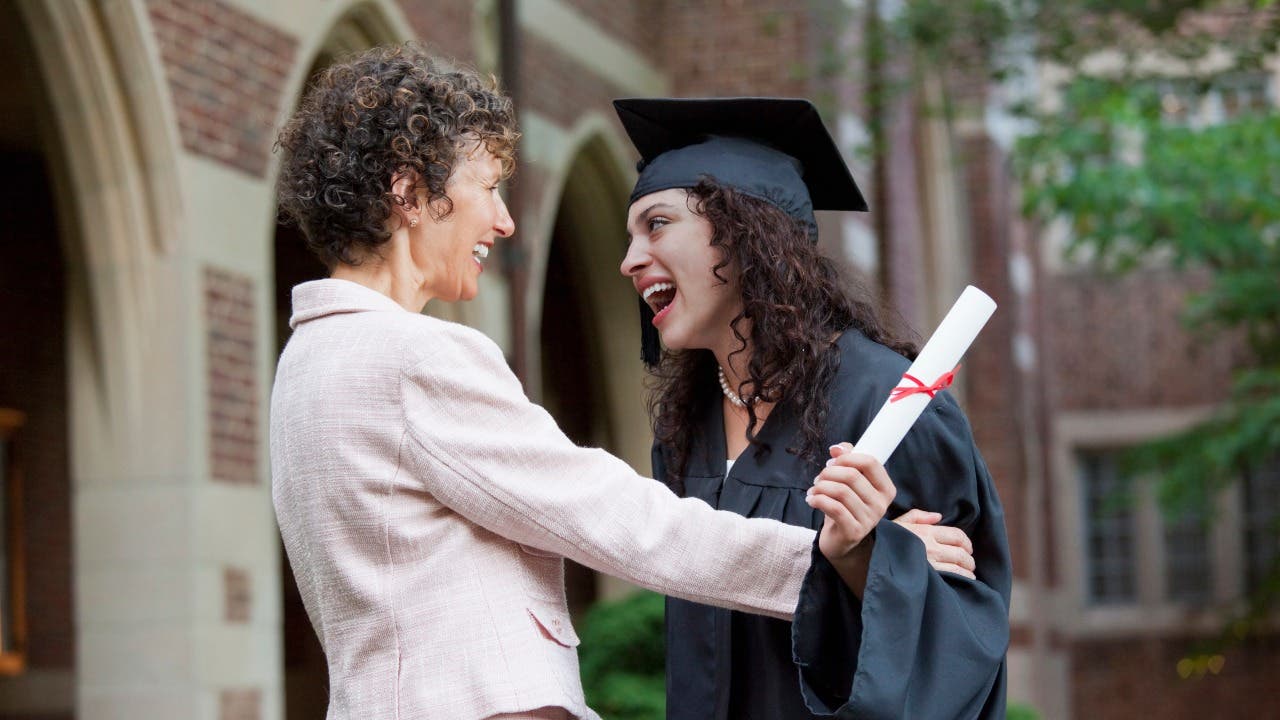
<point x="391" y="271"/>
<point x="734" y="363"/>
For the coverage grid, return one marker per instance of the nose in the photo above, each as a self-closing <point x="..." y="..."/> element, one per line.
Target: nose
<point x="637" y="258"/>
<point x="504" y="225"/>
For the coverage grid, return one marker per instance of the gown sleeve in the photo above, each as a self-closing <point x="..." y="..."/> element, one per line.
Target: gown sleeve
<point x="920" y="644"/>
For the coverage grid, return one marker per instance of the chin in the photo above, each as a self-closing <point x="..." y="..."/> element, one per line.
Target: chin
<point x="674" y="341"/>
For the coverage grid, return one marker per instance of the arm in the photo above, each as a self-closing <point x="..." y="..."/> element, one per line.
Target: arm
<point x="483" y="449"/>
<point x="918" y="643"/>
<point x="854" y="493"/>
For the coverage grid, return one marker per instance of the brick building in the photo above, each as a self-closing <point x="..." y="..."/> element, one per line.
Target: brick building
<point x="137" y="137"/>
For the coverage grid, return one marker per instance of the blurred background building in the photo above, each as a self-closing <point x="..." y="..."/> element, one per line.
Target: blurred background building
<point x="145" y="296"/>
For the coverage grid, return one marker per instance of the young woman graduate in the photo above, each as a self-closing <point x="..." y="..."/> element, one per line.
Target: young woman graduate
<point x="770" y="362"/>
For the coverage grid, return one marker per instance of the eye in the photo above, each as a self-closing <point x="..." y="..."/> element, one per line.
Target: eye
<point x="657" y="222"/>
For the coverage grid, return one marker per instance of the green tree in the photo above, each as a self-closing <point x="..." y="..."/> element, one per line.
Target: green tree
<point x="1140" y="182"/>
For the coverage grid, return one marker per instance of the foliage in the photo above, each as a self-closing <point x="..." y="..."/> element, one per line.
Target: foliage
<point x="1017" y="711"/>
<point x="622" y="657"/>
<point x="1139" y="181"/>
<point x="1135" y="187"/>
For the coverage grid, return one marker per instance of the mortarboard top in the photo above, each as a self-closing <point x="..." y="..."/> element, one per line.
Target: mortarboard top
<point x="775" y="149"/>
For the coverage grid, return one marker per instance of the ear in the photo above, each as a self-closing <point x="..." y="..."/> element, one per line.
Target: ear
<point x="404" y="197"/>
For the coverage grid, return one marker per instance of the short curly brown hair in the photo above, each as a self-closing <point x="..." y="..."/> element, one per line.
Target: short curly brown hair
<point x="384" y="111"/>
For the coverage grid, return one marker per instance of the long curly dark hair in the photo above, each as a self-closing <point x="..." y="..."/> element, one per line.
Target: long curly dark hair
<point x="387" y="110"/>
<point x="796" y="303"/>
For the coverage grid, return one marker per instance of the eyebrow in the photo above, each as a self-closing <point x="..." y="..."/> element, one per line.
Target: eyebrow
<point x="644" y="215"/>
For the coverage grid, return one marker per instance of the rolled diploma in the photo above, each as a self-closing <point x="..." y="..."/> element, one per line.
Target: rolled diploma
<point x="940" y="355"/>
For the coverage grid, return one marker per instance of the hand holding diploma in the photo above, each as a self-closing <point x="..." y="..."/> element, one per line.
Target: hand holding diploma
<point x="854" y="491"/>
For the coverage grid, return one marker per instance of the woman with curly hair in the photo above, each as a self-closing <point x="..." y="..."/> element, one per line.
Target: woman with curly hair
<point x="425" y="503"/>
<point x="770" y="365"/>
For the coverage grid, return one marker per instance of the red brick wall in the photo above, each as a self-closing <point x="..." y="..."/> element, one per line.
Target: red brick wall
<point x="558" y="87"/>
<point x="232" y="372"/>
<point x="736" y="47"/>
<point x="632" y="23"/>
<point x="33" y="380"/>
<point x="1138" y="678"/>
<point x="240" y="704"/>
<point x="226" y="72"/>
<point x="1118" y="343"/>
<point x="992" y="389"/>
<point x="445" y="25"/>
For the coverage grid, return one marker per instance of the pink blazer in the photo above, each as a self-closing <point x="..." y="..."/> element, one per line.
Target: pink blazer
<point x="427" y="505"/>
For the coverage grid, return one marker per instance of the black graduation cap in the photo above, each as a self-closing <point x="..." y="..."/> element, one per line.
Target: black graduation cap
<point x="774" y="149"/>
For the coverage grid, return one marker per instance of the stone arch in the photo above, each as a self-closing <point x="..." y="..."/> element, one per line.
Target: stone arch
<point x="585" y="207"/>
<point x="108" y="142"/>
<point x="587" y="369"/>
<point x="115" y="174"/>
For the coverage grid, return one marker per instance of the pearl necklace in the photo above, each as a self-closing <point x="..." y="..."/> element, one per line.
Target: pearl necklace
<point x="728" y="391"/>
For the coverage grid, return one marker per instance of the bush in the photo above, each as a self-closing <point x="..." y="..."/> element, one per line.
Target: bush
<point x="623" y="658"/>
<point x="1021" y="712"/>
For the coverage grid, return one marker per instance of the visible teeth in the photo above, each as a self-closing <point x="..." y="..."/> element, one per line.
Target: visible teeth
<point x="480" y="251"/>
<point x="657" y="287"/>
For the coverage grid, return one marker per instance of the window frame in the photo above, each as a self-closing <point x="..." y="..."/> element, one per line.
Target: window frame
<point x="1151" y="612"/>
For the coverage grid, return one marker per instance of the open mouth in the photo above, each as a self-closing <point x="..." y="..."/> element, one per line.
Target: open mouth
<point x="659" y="297"/>
<point x="481" y="253"/>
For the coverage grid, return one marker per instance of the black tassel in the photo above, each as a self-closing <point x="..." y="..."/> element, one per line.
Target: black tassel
<point x="650" y="344"/>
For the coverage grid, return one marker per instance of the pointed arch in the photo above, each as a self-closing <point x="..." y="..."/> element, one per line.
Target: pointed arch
<point x="580" y="225"/>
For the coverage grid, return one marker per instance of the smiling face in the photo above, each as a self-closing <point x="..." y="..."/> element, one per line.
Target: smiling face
<point x="452" y="250"/>
<point x="670" y="260"/>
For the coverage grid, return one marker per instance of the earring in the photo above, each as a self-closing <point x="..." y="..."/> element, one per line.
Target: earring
<point x="413" y="222"/>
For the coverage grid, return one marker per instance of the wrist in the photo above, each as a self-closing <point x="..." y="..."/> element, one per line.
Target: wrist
<point x="853" y="566"/>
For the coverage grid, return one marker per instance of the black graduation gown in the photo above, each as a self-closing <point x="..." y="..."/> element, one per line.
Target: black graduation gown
<point x="920" y="644"/>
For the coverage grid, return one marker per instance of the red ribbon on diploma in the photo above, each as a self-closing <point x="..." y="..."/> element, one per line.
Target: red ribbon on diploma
<point x="941" y="383"/>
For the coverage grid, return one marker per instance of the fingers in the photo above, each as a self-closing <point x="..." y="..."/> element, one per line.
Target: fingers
<point x="840" y="449"/>
<point x="950" y="555"/>
<point x="840" y="530"/>
<point x="955" y="569"/>
<point x="947" y="535"/>
<point x="919" y="517"/>
<point x="856" y="496"/>
<point x="869" y="467"/>
<point x="867" y="503"/>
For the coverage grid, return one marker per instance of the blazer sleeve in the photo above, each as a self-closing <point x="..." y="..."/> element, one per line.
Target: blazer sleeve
<point x="479" y="446"/>
<point x="920" y="643"/>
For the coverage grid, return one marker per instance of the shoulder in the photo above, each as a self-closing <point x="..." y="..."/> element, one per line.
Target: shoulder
<point x="868" y="372"/>
<point x="868" y="369"/>
<point x="423" y="338"/>
<point x="452" y="359"/>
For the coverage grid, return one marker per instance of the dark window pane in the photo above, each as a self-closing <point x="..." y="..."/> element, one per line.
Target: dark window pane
<point x="1261" y="524"/>
<point x="1108" y="521"/>
<point x="1188" y="577"/>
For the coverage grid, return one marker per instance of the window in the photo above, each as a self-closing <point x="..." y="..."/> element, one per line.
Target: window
<point x="1187" y="101"/>
<point x="1261" y="524"/>
<point x="1188" y="577"/>
<point x="1109" y="531"/>
<point x="1114" y="518"/>
<point x="12" y="593"/>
